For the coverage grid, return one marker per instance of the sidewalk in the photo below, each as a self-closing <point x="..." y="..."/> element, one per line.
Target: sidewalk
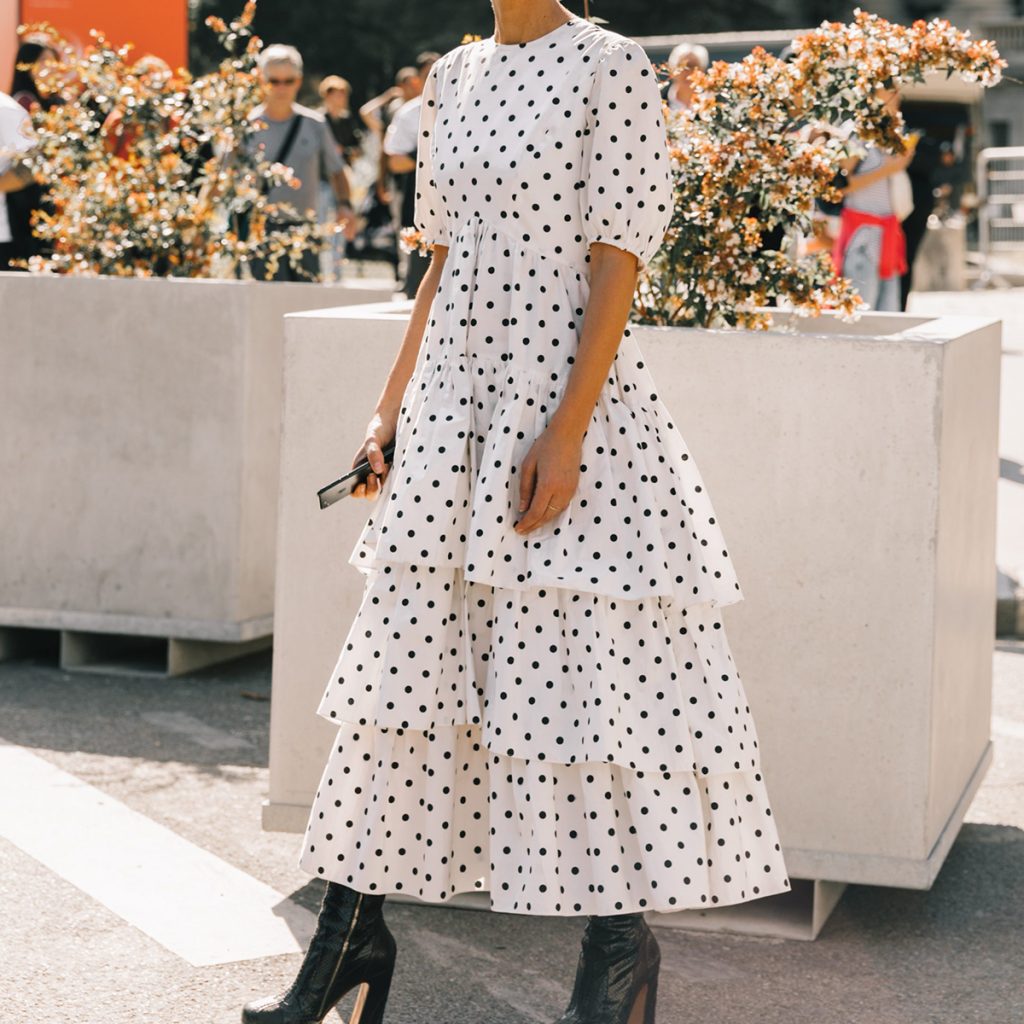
<point x="190" y="754"/>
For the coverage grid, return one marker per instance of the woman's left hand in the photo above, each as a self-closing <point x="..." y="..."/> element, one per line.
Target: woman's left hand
<point x="548" y="478"/>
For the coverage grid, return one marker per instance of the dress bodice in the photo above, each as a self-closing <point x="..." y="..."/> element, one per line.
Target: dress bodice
<point x="557" y="142"/>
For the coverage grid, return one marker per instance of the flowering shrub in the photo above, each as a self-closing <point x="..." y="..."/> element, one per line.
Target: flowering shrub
<point x="149" y="171"/>
<point x="746" y="162"/>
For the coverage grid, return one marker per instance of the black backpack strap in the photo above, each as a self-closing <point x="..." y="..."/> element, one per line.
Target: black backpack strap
<point x="289" y="139"/>
<point x="286" y="147"/>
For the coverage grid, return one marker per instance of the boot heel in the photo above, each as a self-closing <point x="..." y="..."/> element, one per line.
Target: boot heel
<point x="652" y="999"/>
<point x="372" y="998"/>
<point x="642" y="1010"/>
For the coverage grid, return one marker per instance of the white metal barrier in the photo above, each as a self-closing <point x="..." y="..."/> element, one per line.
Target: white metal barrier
<point x="1001" y="199"/>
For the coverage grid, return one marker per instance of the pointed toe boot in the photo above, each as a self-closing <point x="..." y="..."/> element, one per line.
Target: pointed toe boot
<point x="351" y="946"/>
<point x="617" y="974"/>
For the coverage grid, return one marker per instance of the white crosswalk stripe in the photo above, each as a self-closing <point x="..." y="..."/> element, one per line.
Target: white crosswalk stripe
<point x="184" y="897"/>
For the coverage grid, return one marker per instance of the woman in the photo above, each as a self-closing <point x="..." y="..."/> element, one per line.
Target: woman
<point x="34" y="88"/>
<point x="871" y="249"/>
<point x="536" y="697"/>
<point x="344" y="125"/>
<point x="34" y="64"/>
<point x="335" y="94"/>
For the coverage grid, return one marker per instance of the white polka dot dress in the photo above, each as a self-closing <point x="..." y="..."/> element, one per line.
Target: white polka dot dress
<point x="553" y="717"/>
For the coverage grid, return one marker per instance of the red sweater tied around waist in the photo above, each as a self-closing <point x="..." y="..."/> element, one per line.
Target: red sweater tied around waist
<point x="894" y="243"/>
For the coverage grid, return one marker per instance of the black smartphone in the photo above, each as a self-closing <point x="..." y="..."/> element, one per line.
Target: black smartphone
<point x="344" y="486"/>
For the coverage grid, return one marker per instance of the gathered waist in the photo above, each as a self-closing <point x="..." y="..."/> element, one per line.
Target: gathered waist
<point x="473" y="225"/>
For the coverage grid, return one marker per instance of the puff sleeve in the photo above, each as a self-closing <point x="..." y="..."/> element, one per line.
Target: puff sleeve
<point x="626" y="193"/>
<point x="428" y="211"/>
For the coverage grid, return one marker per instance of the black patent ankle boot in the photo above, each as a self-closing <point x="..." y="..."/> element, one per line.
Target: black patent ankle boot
<point x="351" y="946"/>
<point x="617" y="974"/>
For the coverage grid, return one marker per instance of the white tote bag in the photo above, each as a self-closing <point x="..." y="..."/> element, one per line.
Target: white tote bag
<point x="901" y="194"/>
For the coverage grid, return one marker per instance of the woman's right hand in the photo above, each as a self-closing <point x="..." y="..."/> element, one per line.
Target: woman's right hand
<point x="379" y="431"/>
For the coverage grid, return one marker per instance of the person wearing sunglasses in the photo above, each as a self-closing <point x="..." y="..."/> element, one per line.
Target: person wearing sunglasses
<point x="300" y="138"/>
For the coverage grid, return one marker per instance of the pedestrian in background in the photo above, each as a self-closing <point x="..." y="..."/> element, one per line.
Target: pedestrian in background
<point x="871" y="249"/>
<point x="299" y="138"/>
<point x="33" y="88"/>
<point x="682" y="62"/>
<point x="335" y="92"/>
<point x="376" y="115"/>
<point x="15" y="138"/>
<point x="943" y="133"/>
<point x="32" y="84"/>
<point x="336" y="96"/>
<point x="400" y="143"/>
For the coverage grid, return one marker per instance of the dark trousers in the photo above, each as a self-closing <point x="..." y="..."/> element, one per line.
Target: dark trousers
<point x="308" y="271"/>
<point x="914" y="228"/>
<point x="309" y="266"/>
<point x="414" y="271"/>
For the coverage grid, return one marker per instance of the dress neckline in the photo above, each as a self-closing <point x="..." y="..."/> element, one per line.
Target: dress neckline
<point x="532" y="42"/>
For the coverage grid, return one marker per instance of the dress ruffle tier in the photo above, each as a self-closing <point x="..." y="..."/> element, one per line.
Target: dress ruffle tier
<point x="469" y="419"/>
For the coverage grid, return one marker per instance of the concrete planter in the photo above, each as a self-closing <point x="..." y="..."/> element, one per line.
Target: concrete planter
<point x="139" y="461"/>
<point x="853" y="468"/>
<point x="1006" y="305"/>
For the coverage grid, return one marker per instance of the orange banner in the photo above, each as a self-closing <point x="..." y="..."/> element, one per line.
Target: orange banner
<point x="159" y="27"/>
<point x="9" y="14"/>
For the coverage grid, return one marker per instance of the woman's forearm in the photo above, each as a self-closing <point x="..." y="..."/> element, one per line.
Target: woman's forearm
<point x="612" y="286"/>
<point x="402" y="368"/>
<point x="859" y="181"/>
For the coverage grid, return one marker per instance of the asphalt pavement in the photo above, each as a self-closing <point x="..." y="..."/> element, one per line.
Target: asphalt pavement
<point x="191" y="754"/>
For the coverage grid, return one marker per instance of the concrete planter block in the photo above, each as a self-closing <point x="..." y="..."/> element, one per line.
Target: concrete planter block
<point x="853" y="468"/>
<point x="1007" y="305"/>
<point x="140" y="454"/>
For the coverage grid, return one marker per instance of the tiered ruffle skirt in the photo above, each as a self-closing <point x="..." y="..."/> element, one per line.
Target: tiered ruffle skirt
<point x="554" y="717"/>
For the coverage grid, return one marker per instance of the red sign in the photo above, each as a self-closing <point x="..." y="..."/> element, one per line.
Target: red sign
<point x="159" y="27"/>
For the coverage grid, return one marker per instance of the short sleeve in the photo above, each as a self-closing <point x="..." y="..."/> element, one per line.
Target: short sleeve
<point x="429" y="217"/>
<point x="626" y="193"/>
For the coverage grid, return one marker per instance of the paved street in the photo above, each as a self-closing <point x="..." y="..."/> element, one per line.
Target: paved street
<point x="98" y="929"/>
<point x="190" y="755"/>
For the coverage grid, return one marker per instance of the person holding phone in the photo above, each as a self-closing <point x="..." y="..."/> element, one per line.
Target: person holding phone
<point x="536" y="697"/>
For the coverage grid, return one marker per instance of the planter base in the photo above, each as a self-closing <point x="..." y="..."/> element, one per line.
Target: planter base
<point x="138" y="625"/>
<point x="901" y="872"/>
<point x="122" y="653"/>
<point x="279" y="817"/>
<point x="798" y="914"/>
